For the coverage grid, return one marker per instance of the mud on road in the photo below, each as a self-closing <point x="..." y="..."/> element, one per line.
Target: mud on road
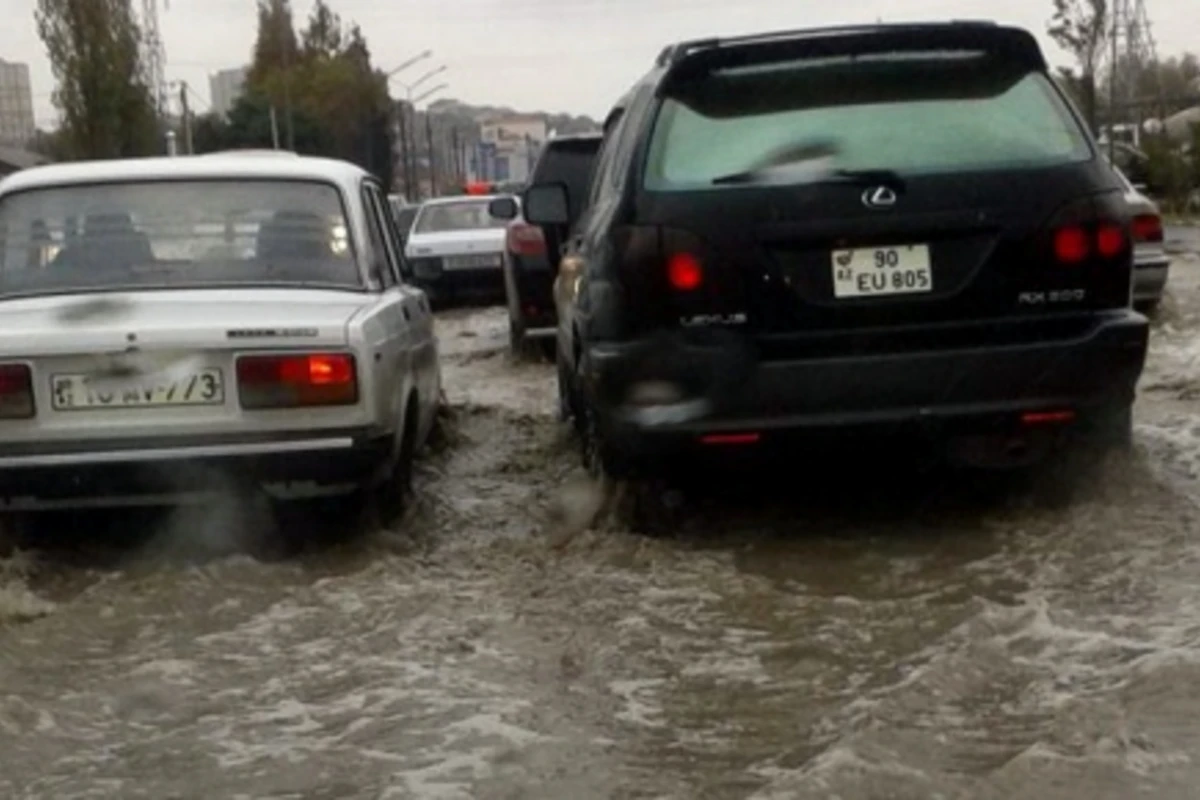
<point x="950" y="640"/>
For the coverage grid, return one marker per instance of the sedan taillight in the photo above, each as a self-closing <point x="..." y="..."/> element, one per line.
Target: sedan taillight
<point x="526" y="240"/>
<point x="297" y="380"/>
<point x="1147" y="228"/>
<point x="16" y="391"/>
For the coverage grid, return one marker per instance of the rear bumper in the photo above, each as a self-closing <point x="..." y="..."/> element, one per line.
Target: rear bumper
<point x="125" y="468"/>
<point x="959" y="389"/>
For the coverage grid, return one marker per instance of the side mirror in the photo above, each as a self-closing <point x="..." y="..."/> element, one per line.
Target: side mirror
<point x="504" y="208"/>
<point x="546" y="204"/>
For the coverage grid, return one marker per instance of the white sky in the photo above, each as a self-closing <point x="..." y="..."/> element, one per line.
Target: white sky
<point x="549" y="55"/>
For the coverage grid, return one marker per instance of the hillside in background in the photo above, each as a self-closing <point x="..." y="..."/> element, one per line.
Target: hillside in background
<point x="466" y="115"/>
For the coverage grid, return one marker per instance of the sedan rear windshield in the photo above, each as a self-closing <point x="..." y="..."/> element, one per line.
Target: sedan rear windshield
<point x="465" y="215"/>
<point x="175" y="234"/>
<point x="909" y="112"/>
<point x="571" y="165"/>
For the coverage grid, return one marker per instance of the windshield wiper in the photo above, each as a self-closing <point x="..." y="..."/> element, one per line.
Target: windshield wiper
<point x="793" y="174"/>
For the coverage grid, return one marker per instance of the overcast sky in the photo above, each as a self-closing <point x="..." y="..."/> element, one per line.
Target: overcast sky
<point x="551" y="55"/>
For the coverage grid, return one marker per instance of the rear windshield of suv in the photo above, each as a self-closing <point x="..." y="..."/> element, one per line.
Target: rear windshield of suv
<point x="175" y="234"/>
<point x="910" y="112"/>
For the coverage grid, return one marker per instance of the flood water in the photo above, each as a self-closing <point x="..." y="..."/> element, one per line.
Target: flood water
<point x="943" y="639"/>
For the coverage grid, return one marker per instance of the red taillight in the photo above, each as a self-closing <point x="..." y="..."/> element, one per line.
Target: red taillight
<point x="1147" y="228"/>
<point x="1048" y="417"/>
<point x="1110" y="240"/>
<point x="288" y="381"/>
<point x="526" y="240"/>
<point x="684" y="272"/>
<point x="1071" y="245"/>
<point x="731" y="438"/>
<point x="16" y="391"/>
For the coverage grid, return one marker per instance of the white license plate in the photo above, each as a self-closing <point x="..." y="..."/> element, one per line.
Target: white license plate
<point x="472" y="262"/>
<point x="871" y="271"/>
<point x="204" y="387"/>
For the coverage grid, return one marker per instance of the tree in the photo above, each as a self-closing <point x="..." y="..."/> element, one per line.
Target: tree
<point x="328" y="82"/>
<point x="94" y="48"/>
<point x="1081" y="28"/>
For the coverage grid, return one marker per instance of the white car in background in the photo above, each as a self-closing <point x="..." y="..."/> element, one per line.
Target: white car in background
<point x="168" y="326"/>
<point x="456" y="248"/>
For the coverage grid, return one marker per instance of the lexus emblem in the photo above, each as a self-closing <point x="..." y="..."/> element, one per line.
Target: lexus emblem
<point x="879" y="197"/>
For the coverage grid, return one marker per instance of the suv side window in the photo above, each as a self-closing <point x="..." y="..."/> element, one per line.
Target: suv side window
<point x="631" y="126"/>
<point x="604" y="160"/>
<point x="384" y="256"/>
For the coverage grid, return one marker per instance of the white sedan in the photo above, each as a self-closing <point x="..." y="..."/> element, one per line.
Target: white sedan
<point x="167" y="325"/>
<point x="456" y="248"/>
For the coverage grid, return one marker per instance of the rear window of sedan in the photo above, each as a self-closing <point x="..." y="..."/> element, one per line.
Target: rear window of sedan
<point x="910" y="112"/>
<point x="175" y="234"/>
<point x="465" y="215"/>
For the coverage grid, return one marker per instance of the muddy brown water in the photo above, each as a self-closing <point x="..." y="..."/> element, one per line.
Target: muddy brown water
<point x="949" y="640"/>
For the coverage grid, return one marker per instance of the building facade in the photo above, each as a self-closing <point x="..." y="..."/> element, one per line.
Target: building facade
<point x="508" y="148"/>
<point x="17" y="126"/>
<point x="226" y="88"/>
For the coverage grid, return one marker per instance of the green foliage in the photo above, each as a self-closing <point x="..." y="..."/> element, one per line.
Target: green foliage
<point x="1080" y="28"/>
<point x="326" y="77"/>
<point x="107" y="107"/>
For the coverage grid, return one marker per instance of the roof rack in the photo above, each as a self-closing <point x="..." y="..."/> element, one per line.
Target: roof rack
<point x="673" y="54"/>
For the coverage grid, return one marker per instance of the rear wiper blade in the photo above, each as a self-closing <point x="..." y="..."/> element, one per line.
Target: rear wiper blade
<point x="792" y="174"/>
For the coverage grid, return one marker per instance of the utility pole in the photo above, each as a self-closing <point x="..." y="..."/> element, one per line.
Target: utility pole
<point x="274" y="128"/>
<point x="432" y="162"/>
<point x="187" y="118"/>
<point x="402" y="113"/>
<point x="456" y="167"/>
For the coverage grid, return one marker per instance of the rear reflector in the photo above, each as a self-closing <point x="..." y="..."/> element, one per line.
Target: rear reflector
<point x="1071" y="245"/>
<point x="16" y="392"/>
<point x="290" y="381"/>
<point x="1147" y="228"/>
<point x="1110" y="240"/>
<point x="684" y="272"/>
<point x="731" y="438"/>
<point x="1048" y="417"/>
<point x="526" y="240"/>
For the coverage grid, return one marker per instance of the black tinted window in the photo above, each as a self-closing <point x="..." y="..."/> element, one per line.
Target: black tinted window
<point x="569" y="163"/>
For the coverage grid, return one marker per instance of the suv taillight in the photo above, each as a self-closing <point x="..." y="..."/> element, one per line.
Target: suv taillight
<point x="297" y="380"/>
<point x="526" y="240"/>
<point x="1076" y="243"/>
<point x="684" y="271"/>
<point x="16" y="391"/>
<point x="1147" y="228"/>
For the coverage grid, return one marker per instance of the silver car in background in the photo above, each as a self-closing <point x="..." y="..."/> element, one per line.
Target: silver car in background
<point x="167" y="325"/>
<point x="1151" y="263"/>
<point x="456" y="248"/>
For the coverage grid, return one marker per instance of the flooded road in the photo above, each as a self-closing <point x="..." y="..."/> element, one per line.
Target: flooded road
<point x="945" y="641"/>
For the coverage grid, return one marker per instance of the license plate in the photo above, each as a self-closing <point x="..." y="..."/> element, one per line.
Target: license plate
<point x="472" y="262"/>
<point x="872" y="271"/>
<point x="83" y="393"/>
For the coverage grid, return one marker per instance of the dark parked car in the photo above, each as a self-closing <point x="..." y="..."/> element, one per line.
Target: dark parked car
<point x="528" y="270"/>
<point x="886" y="227"/>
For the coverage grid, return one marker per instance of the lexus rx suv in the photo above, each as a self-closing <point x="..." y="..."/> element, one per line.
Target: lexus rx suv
<point x="850" y="229"/>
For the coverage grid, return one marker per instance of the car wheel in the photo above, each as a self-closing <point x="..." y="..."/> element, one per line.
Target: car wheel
<point x="1147" y="307"/>
<point x="392" y="494"/>
<point x="516" y="337"/>
<point x="548" y="349"/>
<point x="600" y="458"/>
<point x="1108" y="429"/>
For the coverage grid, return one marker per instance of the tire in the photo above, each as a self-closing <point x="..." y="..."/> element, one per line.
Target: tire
<point x="517" y="344"/>
<point x="600" y="458"/>
<point x="549" y="349"/>
<point x="1108" y="430"/>
<point x="391" y="496"/>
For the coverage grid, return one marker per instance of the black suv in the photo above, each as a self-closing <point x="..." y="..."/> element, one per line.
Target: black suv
<point x="892" y="227"/>
<point x="528" y="264"/>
